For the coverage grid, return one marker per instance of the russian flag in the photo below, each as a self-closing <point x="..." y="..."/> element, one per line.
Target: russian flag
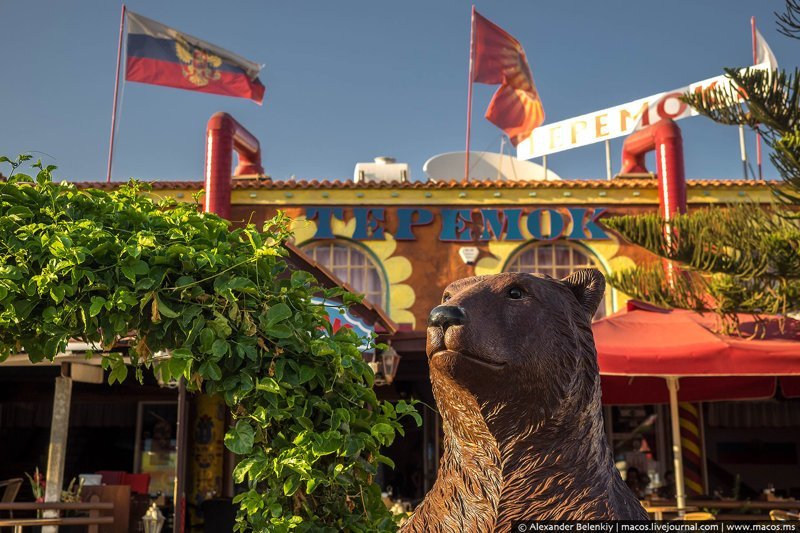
<point x="160" y="55"/>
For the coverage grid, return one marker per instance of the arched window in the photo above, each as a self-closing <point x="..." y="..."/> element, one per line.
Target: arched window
<point x="351" y="265"/>
<point x="557" y="260"/>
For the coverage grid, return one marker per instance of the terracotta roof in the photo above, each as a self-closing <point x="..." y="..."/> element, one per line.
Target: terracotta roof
<point x="255" y="183"/>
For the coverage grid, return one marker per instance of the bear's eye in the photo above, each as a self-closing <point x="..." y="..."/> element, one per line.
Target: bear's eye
<point x="515" y="293"/>
<point x="445" y="298"/>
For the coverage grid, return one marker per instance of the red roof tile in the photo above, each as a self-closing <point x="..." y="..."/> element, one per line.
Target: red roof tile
<point x="265" y="184"/>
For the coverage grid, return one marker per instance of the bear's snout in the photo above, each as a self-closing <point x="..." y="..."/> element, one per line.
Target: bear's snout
<point x="444" y="316"/>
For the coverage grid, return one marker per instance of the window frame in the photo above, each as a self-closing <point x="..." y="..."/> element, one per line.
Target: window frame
<point x="574" y="247"/>
<point x="369" y="258"/>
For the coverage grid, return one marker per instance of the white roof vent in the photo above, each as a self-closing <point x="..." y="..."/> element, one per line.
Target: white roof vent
<point x="485" y="166"/>
<point x="384" y="168"/>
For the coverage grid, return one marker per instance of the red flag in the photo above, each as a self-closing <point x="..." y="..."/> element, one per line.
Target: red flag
<point x="500" y="59"/>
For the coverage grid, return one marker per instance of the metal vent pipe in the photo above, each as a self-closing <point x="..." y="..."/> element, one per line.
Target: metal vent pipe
<point x="664" y="137"/>
<point x="223" y="136"/>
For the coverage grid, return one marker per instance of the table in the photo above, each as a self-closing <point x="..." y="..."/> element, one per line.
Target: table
<point x="658" y="507"/>
<point x="658" y="510"/>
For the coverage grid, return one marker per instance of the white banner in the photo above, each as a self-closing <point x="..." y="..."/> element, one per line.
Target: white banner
<point x="615" y="121"/>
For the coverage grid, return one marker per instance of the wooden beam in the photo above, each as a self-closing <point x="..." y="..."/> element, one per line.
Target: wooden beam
<point x="59" y="430"/>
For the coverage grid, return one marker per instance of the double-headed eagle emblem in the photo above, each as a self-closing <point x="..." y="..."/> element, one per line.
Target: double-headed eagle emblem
<point x="199" y="66"/>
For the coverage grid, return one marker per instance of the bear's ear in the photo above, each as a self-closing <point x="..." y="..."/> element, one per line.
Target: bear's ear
<point x="588" y="286"/>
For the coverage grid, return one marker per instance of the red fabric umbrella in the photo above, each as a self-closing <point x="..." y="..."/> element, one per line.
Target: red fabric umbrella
<point x="653" y="355"/>
<point x="640" y="347"/>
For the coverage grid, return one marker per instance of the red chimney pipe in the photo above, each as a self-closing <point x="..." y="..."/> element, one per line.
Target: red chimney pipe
<point x="665" y="138"/>
<point x="223" y="136"/>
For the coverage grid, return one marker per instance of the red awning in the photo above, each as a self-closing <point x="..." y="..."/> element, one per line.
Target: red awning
<point x="638" y="347"/>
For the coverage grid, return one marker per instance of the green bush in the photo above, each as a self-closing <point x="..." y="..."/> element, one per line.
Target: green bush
<point x="102" y="266"/>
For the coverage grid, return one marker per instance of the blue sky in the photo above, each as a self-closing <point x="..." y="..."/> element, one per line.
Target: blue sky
<point x="350" y="80"/>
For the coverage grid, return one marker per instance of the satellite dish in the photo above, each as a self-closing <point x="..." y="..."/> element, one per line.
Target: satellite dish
<point x="485" y="166"/>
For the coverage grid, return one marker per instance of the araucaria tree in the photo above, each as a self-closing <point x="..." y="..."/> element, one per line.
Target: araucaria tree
<point x="102" y="266"/>
<point x="743" y="258"/>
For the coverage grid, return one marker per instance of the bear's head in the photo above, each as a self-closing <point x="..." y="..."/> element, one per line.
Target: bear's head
<point x="519" y="346"/>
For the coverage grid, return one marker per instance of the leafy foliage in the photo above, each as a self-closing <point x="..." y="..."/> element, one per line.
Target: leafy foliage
<point x="741" y="259"/>
<point x="103" y="266"/>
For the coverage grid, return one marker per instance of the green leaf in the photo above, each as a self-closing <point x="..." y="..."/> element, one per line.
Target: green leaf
<point x="210" y="370"/>
<point x="280" y="331"/>
<point x="119" y="371"/>
<point x="307" y="373"/>
<point x="385" y="460"/>
<point x="268" y="384"/>
<point x="133" y="268"/>
<point x="300" y="278"/>
<point x="96" y="306"/>
<point x="278" y="313"/>
<point x="57" y="293"/>
<point x="176" y="366"/>
<point x="305" y="422"/>
<point x="382" y="431"/>
<point x="240" y="438"/>
<point x="275" y="510"/>
<point x="291" y="484"/>
<point x="219" y="348"/>
<point x="164" y="309"/>
<point x="327" y="443"/>
<point x="242" y="284"/>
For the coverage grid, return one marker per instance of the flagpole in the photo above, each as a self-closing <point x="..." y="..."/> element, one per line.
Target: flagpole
<point x="469" y="91"/>
<point x="755" y="58"/>
<point x="116" y="93"/>
<point x="743" y="150"/>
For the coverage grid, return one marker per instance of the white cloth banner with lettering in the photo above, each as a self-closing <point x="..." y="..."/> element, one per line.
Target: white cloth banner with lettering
<point x="615" y="121"/>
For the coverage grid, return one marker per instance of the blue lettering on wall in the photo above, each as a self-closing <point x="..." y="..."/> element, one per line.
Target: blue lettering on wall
<point x="497" y="224"/>
<point x="455" y="225"/>
<point x="367" y="228"/>
<point x="406" y="222"/>
<point x="323" y="217"/>
<point x="535" y="224"/>
<point x="581" y="223"/>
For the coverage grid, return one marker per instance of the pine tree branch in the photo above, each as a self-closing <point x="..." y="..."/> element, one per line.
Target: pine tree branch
<point x="771" y="107"/>
<point x="723" y="294"/>
<point x="648" y="283"/>
<point x="789" y="22"/>
<point x="755" y="98"/>
<point x="743" y="240"/>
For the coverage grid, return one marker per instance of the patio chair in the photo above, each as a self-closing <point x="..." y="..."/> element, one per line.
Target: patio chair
<point x="11" y="488"/>
<point x="699" y="515"/>
<point x="778" y="515"/>
<point x="139" y="483"/>
<point x="111" y="477"/>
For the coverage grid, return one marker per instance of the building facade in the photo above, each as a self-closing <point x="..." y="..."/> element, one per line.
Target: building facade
<point x="400" y="244"/>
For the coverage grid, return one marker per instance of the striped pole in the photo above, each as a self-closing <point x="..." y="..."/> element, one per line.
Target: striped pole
<point x="692" y="448"/>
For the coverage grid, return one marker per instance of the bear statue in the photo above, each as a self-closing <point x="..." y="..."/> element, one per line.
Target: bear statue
<point x="514" y="372"/>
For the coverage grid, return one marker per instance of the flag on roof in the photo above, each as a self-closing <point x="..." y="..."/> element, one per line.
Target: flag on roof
<point x="161" y="55"/>
<point x="764" y="52"/>
<point x="499" y="59"/>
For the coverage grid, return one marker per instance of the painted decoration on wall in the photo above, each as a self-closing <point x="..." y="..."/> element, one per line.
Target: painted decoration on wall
<point x="339" y="318"/>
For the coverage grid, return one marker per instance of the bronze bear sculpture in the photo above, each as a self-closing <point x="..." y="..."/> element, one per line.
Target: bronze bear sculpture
<point x="514" y="372"/>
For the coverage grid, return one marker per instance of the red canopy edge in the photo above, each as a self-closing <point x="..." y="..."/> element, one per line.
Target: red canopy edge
<point x="638" y="348"/>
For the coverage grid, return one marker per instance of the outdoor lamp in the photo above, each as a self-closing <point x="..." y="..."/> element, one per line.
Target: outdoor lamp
<point x="153" y="520"/>
<point x="391" y="360"/>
